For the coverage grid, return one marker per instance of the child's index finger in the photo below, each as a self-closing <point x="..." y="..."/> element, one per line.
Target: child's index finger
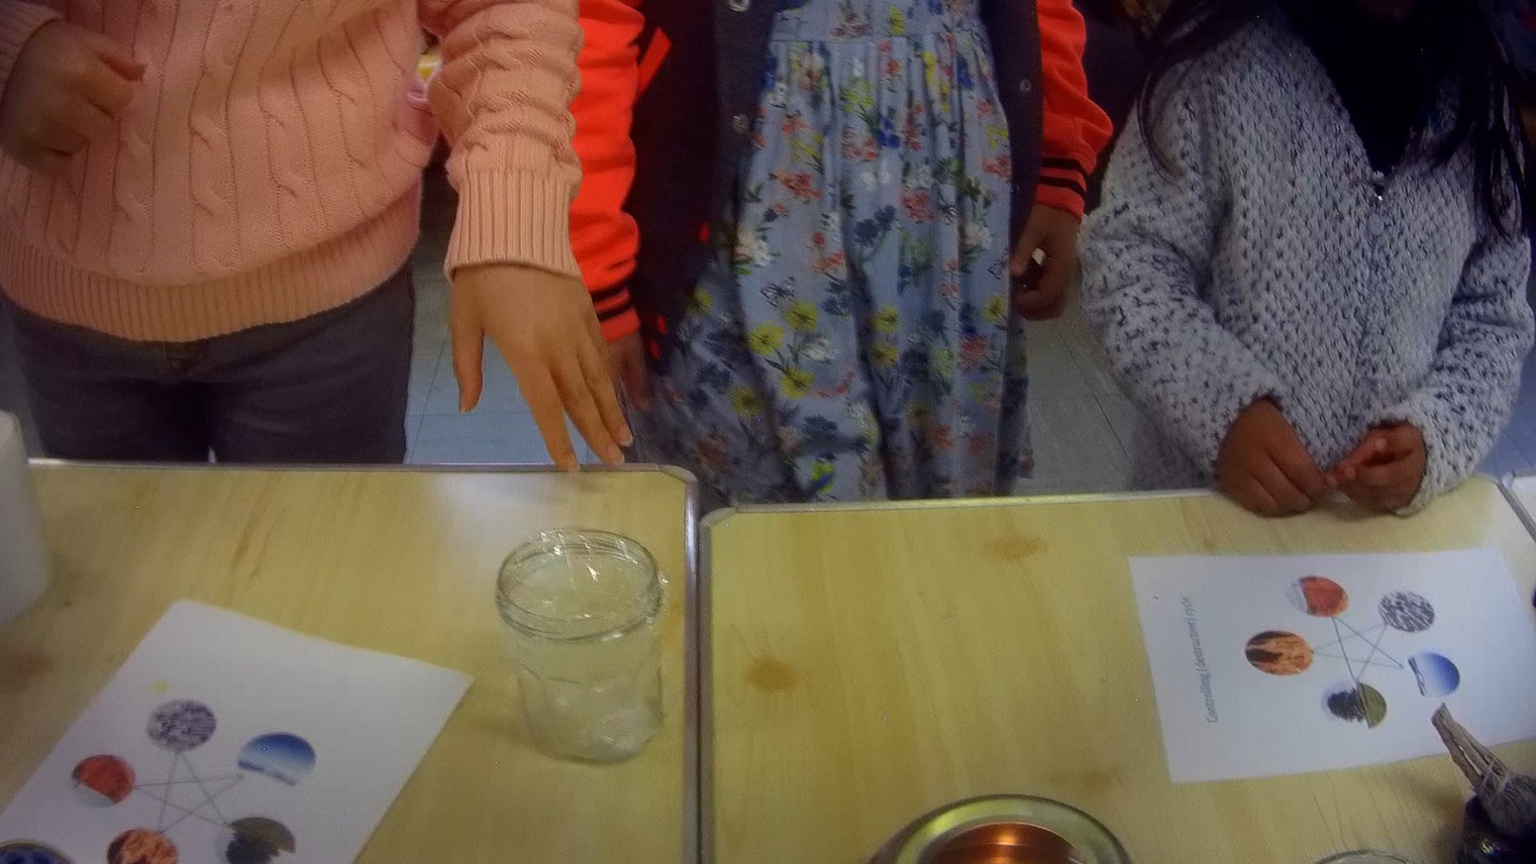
<point x="1371" y="446"/>
<point x="1387" y="475"/>
<point x="1400" y="440"/>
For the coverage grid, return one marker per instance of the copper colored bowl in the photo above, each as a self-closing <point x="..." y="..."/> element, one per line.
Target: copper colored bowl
<point x="1004" y="829"/>
<point x="1003" y="843"/>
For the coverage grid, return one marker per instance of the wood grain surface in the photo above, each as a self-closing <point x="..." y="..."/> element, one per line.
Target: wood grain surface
<point x="396" y="561"/>
<point x="869" y="665"/>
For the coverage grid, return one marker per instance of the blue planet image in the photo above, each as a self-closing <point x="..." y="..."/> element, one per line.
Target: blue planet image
<point x="1436" y="676"/>
<point x="26" y="852"/>
<point x="280" y="755"/>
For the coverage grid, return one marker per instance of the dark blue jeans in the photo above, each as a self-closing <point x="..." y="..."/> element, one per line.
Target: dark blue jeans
<point x="330" y="388"/>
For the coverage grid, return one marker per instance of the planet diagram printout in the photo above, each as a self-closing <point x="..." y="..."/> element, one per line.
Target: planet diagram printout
<point x="228" y="740"/>
<point x="1287" y="665"/>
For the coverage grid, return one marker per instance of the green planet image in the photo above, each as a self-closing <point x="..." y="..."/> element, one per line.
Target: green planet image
<point x="255" y="840"/>
<point x="1356" y="703"/>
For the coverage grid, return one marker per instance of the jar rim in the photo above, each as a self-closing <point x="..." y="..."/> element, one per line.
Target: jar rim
<point x="646" y="603"/>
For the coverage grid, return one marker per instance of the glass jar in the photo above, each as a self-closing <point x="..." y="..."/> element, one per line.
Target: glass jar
<point x="583" y="611"/>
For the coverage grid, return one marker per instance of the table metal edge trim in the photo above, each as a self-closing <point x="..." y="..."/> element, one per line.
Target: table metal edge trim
<point x="1507" y="487"/>
<point x="692" y="666"/>
<point x="706" y="718"/>
<point x="336" y="468"/>
<point x="959" y="503"/>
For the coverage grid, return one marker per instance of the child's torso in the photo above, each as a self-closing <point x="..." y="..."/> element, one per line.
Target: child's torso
<point x="1337" y="276"/>
<point x="260" y="127"/>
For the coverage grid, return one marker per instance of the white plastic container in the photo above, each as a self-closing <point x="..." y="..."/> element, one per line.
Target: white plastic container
<point x="23" y="550"/>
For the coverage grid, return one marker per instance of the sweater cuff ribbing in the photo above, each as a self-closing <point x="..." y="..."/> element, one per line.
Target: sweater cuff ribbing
<point x="615" y="312"/>
<point x="1441" y="473"/>
<point x="1224" y="402"/>
<point x="1066" y="198"/>
<point x="513" y="217"/>
<point x="624" y="323"/>
<point x="18" y="23"/>
<point x="1064" y="182"/>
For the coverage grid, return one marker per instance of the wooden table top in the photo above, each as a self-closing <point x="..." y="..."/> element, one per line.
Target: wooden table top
<point x="396" y="561"/>
<point x="864" y="666"/>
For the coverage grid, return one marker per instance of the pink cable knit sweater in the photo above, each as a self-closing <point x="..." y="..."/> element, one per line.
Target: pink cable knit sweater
<point x="269" y="167"/>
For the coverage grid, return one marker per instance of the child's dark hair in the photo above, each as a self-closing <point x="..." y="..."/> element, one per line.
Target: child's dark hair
<point x="1471" y="56"/>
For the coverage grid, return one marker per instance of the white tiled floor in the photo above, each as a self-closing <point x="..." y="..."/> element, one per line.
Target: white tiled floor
<point x="1082" y="423"/>
<point x="500" y="429"/>
<point x="1516" y="452"/>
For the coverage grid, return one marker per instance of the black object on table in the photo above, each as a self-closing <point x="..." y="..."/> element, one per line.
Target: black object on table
<point x="1481" y="843"/>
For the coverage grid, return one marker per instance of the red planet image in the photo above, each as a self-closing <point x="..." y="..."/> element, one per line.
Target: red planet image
<point x="1319" y="597"/>
<point x="103" y="780"/>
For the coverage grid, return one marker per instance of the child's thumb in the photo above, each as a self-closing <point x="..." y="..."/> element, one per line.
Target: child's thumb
<point x="1026" y="255"/>
<point x="120" y="59"/>
<point x="1027" y="252"/>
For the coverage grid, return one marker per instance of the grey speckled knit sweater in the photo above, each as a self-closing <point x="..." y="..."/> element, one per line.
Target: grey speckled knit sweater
<point x="1272" y="261"/>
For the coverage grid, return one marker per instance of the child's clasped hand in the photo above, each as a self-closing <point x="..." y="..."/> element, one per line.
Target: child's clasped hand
<point x="1265" y="467"/>
<point x="1386" y="470"/>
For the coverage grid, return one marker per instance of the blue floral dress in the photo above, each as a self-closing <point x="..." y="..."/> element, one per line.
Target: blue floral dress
<point x="855" y="338"/>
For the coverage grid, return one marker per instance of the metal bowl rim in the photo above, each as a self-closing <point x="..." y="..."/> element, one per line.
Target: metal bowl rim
<point x="1346" y="856"/>
<point x="972" y="813"/>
